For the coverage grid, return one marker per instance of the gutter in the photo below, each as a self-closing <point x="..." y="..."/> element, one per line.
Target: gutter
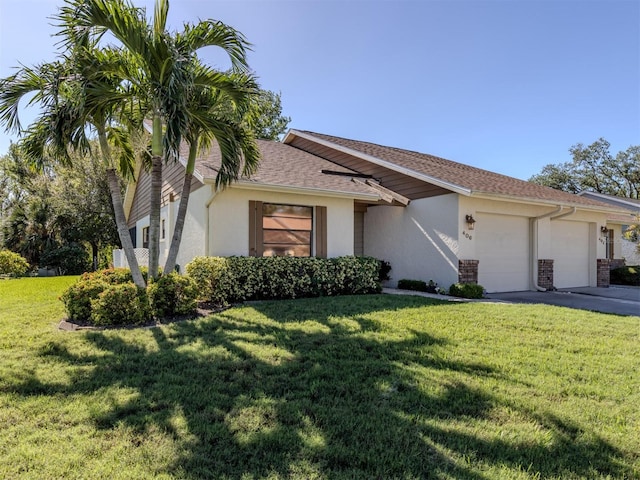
<point x="251" y="185"/>
<point x="207" y="221"/>
<point x="555" y="215"/>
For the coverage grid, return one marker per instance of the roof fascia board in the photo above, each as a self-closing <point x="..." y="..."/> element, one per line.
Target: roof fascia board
<point x="378" y="161"/>
<point x="130" y="192"/>
<point x="248" y="185"/>
<point x="530" y="201"/>
<point x="610" y="198"/>
<point x="196" y="173"/>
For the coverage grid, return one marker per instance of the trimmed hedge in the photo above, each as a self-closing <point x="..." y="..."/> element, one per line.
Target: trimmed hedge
<point x="466" y="290"/>
<point x="12" y="264"/>
<point x="629" y="275"/>
<point x="235" y="279"/>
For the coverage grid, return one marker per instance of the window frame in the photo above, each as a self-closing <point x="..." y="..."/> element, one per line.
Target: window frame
<point x="318" y="234"/>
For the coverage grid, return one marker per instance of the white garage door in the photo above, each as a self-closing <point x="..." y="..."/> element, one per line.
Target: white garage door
<point x="503" y="251"/>
<point x="570" y="253"/>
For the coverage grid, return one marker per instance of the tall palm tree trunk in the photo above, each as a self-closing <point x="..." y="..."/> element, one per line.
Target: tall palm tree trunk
<point x="123" y="230"/>
<point x="156" y="196"/>
<point x="182" y="209"/>
<point x="154" y="216"/>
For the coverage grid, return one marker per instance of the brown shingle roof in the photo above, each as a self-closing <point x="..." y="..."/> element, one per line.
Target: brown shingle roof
<point x="475" y="180"/>
<point x="285" y="166"/>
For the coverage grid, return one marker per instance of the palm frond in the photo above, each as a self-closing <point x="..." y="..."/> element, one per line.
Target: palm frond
<point x="212" y="33"/>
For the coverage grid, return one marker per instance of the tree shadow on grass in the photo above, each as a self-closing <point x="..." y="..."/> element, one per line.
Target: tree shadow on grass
<point x="314" y="390"/>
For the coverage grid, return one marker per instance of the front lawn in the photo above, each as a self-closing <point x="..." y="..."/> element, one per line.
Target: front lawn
<point x="351" y="387"/>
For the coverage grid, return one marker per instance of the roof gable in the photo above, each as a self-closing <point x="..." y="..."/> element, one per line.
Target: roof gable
<point x="447" y="175"/>
<point x="283" y="166"/>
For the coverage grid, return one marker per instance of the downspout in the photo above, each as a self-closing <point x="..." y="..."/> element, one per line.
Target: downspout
<point x="534" y="246"/>
<point x="565" y="214"/>
<point x="207" y="221"/>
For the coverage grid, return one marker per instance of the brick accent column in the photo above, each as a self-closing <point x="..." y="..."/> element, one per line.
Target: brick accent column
<point x="604" y="273"/>
<point x="545" y="273"/>
<point x="468" y="271"/>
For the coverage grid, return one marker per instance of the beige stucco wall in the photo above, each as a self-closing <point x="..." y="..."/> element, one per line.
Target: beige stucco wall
<point x="229" y="220"/>
<point x="550" y="242"/>
<point x="193" y="233"/>
<point x="420" y="240"/>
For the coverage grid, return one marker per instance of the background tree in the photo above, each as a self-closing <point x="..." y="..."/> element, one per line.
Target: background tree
<point x="50" y="216"/>
<point x="594" y="168"/>
<point x="265" y="118"/>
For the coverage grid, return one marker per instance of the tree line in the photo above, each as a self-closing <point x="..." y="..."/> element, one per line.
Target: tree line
<point x="98" y="100"/>
<point x="595" y="169"/>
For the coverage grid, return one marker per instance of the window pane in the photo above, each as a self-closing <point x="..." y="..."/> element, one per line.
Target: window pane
<point x="286" y="236"/>
<point x="286" y="229"/>
<point x="286" y="223"/>
<point x="287" y="250"/>
<point x="270" y="209"/>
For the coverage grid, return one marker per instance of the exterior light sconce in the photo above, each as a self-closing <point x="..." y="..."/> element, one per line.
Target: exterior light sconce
<point x="604" y="230"/>
<point x="470" y="222"/>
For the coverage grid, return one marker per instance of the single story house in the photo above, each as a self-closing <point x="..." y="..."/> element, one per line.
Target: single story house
<point x="431" y="218"/>
<point x="620" y="249"/>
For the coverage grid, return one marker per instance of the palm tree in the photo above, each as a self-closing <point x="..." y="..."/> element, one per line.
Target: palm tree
<point x="75" y="94"/>
<point x="216" y="114"/>
<point x="163" y="75"/>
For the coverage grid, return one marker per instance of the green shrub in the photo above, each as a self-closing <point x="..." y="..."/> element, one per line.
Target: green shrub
<point x="81" y="298"/>
<point x="77" y="298"/>
<point x="629" y="275"/>
<point x="172" y="295"/>
<point x="383" y="272"/>
<point x="466" y="290"/>
<point x="235" y="279"/>
<point x="123" y="304"/>
<point x="420" y="286"/>
<point x="12" y="264"/>
<point x="206" y="272"/>
<point x="417" y="285"/>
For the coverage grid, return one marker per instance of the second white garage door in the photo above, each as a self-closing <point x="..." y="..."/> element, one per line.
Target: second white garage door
<point x="570" y="252"/>
<point x="503" y="251"/>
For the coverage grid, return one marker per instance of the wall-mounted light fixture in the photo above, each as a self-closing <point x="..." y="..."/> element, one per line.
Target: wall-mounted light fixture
<point x="470" y="222"/>
<point x="604" y="230"/>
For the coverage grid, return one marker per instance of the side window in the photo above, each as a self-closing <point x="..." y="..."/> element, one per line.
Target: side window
<point x="145" y="237"/>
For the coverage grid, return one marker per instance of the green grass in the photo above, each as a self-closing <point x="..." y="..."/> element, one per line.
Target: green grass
<point x="351" y="387"/>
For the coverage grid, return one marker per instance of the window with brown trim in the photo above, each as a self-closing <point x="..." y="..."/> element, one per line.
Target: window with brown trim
<point x="286" y="230"/>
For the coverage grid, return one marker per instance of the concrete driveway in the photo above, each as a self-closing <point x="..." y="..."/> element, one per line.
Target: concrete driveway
<point x="618" y="300"/>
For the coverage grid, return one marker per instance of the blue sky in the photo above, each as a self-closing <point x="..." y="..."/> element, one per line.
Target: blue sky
<point x="504" y="85"/>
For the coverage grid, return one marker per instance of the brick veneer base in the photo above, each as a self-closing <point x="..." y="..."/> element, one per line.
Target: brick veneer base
<point x="604" y="273"/>
<point x="468" y="271"/>
<point x="545" y="273"/>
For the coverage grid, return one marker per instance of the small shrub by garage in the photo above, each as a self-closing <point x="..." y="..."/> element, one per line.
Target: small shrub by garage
<point x="466" y="290"/>
<point x="629" y="275"/>
<point x="12" y="264"/>
<point x="234" y="279"/>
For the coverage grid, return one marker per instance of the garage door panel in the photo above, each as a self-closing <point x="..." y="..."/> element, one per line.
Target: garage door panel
<point x="503" y="252"/>
<point x="570" y="253"/>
